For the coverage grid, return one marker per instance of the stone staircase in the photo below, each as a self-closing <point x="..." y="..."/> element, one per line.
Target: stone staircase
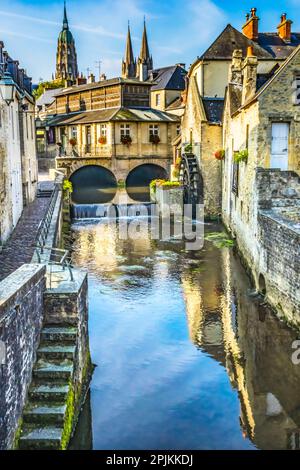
<point x="45" y="415"/>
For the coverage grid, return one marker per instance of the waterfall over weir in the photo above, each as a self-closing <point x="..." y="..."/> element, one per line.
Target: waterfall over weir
<point x="112" y="211"/>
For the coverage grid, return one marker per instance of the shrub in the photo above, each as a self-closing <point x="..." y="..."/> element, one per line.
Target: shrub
<point x="154" y="139"/>
<point x="188" y="148"/>
<point x="241" y="156"/>
<point x="126" y="139"/>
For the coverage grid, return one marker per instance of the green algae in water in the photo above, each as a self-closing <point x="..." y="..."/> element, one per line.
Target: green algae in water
<point x="220" y="240"/>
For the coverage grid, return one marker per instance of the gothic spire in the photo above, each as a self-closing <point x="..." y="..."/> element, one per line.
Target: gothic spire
<point x="65" y="22"/>
<point x="145" y="62"/>
<point x="145" y="54"/>
<point x="129" y="63"/>
<point x="129" y="59"/>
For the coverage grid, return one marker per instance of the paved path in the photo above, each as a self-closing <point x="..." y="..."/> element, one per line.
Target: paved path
<point x="19" y="249"/>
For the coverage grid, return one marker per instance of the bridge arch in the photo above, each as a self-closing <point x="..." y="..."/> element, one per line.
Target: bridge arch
<point x="93" y="184"/>
<point x="139" y="179"/>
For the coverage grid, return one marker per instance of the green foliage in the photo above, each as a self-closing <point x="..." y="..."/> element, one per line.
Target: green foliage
<point x="47" y="86"/>
<point x="121" y="184"/>
<point x="68" y="186"/>
<point x="241" y="156"/>
<point x="220" y="240"/>
<point x="188" y="148"/>
<point x="154" y="184"/>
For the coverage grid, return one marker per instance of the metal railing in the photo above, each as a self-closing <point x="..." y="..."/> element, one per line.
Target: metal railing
<point x="44" y="226"/>
<point x="55" y="256"/>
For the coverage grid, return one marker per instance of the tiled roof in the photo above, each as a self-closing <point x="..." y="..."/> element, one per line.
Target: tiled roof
<point x="112" y="114"/>
<point x="169" y="78"/>
<point x="268" y="46"/>
<point x="104" y="83"/>
<point x="48" y="97"/>
<point x="213" y="109"/>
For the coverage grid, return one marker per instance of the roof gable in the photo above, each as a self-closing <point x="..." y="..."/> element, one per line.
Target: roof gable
<point x="229" y="40"/>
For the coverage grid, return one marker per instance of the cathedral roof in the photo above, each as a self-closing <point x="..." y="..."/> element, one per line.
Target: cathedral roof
<point x="66" y="36"/>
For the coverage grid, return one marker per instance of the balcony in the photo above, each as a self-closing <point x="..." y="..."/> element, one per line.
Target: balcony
<point x="84" y="151"/>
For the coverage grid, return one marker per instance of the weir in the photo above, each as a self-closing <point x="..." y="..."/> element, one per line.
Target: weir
<point x="110" y="211"/>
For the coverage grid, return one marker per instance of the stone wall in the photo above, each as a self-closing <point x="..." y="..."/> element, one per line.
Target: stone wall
<point x="21" y="319"/>
<point x="280" y="264"/>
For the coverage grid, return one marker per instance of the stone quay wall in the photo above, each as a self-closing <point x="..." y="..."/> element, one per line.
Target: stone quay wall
<point x="21" y="320"/>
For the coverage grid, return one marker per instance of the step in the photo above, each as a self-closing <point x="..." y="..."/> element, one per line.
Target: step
<point x="56" y="351"/>
<point x="63" y="334"/>
<point x="54" y="392"/>
<point x="45" y="438"/>
<point x="53" y="370"/>
<point x="44" y="414"/>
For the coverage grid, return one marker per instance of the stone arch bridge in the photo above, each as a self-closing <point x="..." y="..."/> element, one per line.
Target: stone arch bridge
<point x="95" y="180"/>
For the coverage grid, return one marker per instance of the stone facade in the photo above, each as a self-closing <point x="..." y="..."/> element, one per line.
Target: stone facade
<point x="21" y="320"/>
<point x="268" y="241"/>
<point x="18" y="163"/>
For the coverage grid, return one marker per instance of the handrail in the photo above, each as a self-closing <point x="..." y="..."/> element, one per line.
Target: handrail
<point x="64" y="259"/>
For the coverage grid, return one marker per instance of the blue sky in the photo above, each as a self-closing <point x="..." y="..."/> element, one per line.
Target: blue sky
<point x="179" y="30"/>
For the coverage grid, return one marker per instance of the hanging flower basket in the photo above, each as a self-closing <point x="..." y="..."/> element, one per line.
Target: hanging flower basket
<point x="241" y="156"/>
<point x="102" y="140"/>
<point x="73" y="142"/>
<point x="220" y="155"/>
<point x="155" y="139"/>
<point x="126" y="140"/>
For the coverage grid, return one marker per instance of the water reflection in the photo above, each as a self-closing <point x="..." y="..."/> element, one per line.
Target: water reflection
<point x="188" y="358"/>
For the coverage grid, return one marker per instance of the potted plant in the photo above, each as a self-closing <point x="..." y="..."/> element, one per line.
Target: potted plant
<point x="73" y="142"/>
<point x="154" y="139"/>
<point x="102" y="140"/>
<point x="241" y="156"/>
<point x="126" y="140"/>
<point x="220" y="155"/>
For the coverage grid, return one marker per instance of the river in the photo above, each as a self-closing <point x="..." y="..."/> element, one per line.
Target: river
<point x="187" y="356"/>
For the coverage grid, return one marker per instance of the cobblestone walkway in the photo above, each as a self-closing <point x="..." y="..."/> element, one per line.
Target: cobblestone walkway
<point x="19" y="248"/>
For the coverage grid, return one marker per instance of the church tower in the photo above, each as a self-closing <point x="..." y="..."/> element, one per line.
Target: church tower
<point x="129" y="63"/>
<point x="66" y="59"/>
<point x="145" y="62"/>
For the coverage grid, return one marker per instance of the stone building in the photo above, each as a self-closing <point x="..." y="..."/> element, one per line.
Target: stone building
<point x="111" y="125"/>
<point x="18" y="164"/>
<point x="168" y="86"/>
<point x="261" y="186"/>
<point x="206" y="83"/>
<point x="66" y="58"/>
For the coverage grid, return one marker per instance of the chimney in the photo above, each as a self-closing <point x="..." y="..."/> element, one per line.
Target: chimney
<point x="249" y="75"/>
<point x="91" y="79"/>
<point x="81" y="81"/>
<point x="103" y="77"/>
<point x="250" y="28"/>
<point x="285" y="28"/>
<point x="235" y="70"/>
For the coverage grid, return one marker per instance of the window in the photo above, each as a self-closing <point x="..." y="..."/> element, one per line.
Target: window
<point x="296" y="86"/>
<point x="103" y="130"/>
<point x="178" y="129"/>
<point x="31" y="127"/>
<point x="74" y="132"/>
<point x="125" y="130"/>
<point x="247" y="137"/>
<point x="158" y="99"/>
<point x="153" y="130"/>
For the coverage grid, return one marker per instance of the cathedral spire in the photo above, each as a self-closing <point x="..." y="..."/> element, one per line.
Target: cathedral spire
<point x="66" y="57"/>
<point x="65" y="22"/>
<point x="145" y="55"/>
<point x="129" y="63"/>
<point x="145" y="62"/>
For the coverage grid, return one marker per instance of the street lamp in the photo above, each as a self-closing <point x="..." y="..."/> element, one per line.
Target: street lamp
<point x="7" y="88"/>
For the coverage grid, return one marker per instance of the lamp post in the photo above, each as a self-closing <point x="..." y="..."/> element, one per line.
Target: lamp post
<point x="7" y="88"/>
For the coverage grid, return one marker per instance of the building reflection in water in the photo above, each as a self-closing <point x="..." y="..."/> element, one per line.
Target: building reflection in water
<point x="239" y="332"/>
<point x="224" y="321"/>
